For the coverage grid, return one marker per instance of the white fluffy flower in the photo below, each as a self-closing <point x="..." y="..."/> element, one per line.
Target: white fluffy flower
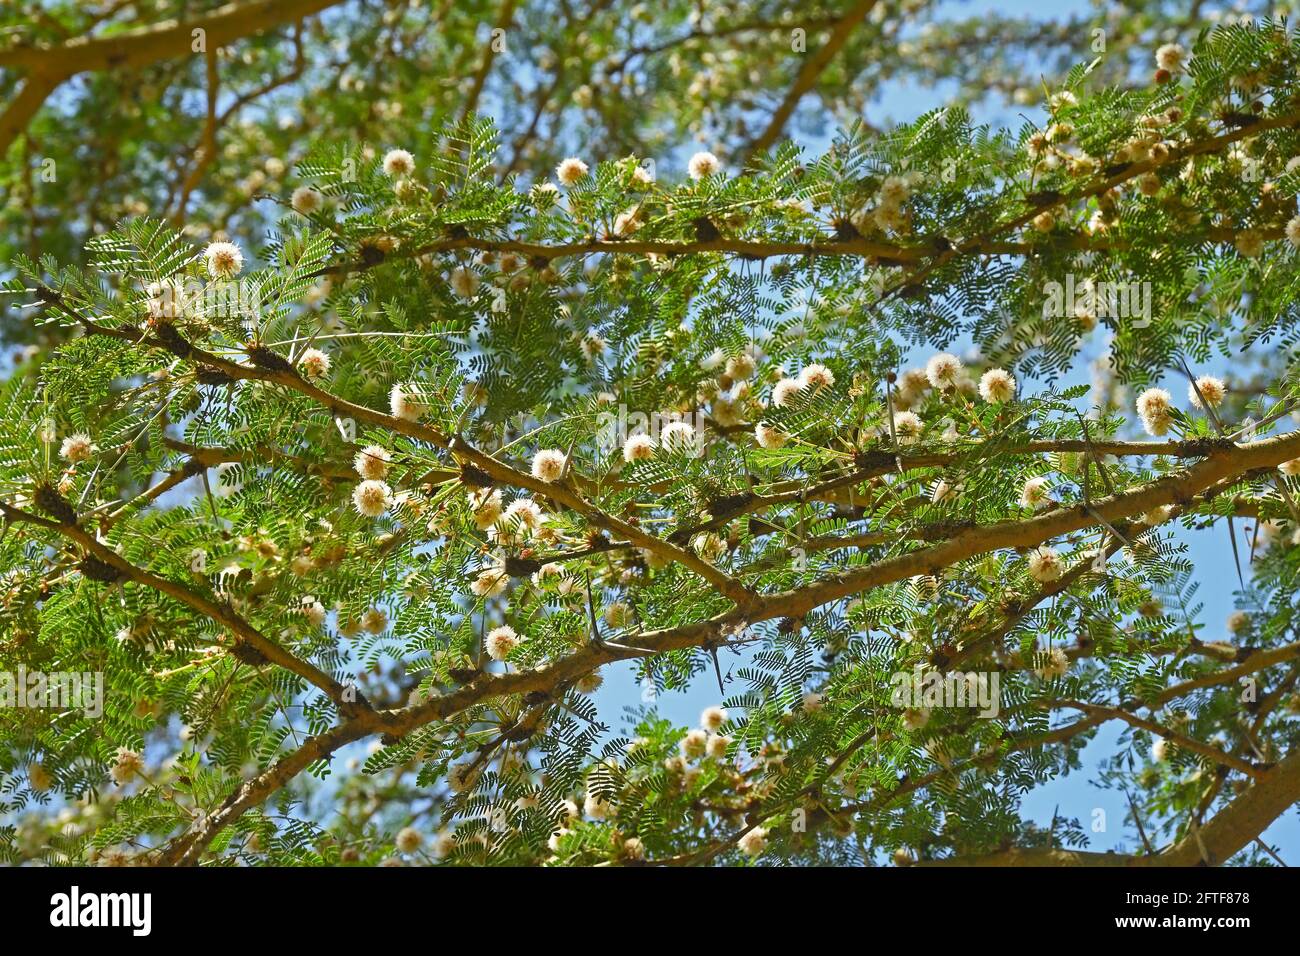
<point x="443" y="843"/>
<point x="315" y="363"/>
<point x="997" y="386"/>
<point x="713" y="717"/>
<point x="907" y="426"/>
<point x="785" y="390"/>
<point x="1249" y="243"/>
<point x="126" y="765"/>
<point x="397" y="163"/>
<point x="372" y="462"/>
<point x="313" y="611"/>
<point x="1034" y="493"/>
<point x="596" y="807"/>
<point x="487" y="506"/>
<point x="1160" y="750"/>
<point x="717" y="746"/>
<point x="638" y="448"/>
<point x="501" y="641"/>
<point x="1293" y="232"/>
<point x="305" y="200"/>
<point x="589" y="683"/>
<point x="372" y="498"/>
<point x="753" y="842"/>
<point x="816" y="376"/>
<point x="77" y="448"/>
<point x="678" y="436"/>
<point x="740" y="367"/>
<point x="769" y="436"/>
<point x="1210" y="387"/>
<point x="465" y="282"/>
<point x="1238" y="621"/>
<point x="490" y="582"/>
<point x="408" y="840"/>
<point x="942" y="370"/>
<point x="692" y="745"/>
<point x="916" y="718"/>
<point x="374" y="620"/>
<point x="1170" y="57"/>
<point x="702" y="164"/>
<point x="570" y="170"/>
<point x="1153" y="406"/>
<point x="404" y="402"/>
<point x="708" y="546"/>
<point x="224" y="260"/>
<point x="1045" y="565"/>
<point x="1051" y="664"/>
<point x="527" y="512"/>
<point x="548" y="465"/>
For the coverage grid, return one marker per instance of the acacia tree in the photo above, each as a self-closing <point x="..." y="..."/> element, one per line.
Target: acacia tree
<point x="416" y="446"/>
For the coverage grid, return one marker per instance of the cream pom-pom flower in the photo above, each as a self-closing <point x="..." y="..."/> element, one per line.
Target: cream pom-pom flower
<point x="997" y="386"/>
<point x="372" y="498"/>
<point x="638" y="448"/>
<point x="408" y="840"/>
<point x="404" y="402"/>
<point x="1049" y="665"/>
<point x="907" y="426"/>
<point x="487" y="506"/>
<point x="570" y="170"/>
<point x="1153" y="407"/>
<point x="224" y="260"/>
<point x="785" y="390"/>
<point x="596" y="806"/>
<point x="1033" y="494"/>
<point x="372" y="462"/>
<point x="753" y="842"/>
<point x="740" y="367"/>
<point x="1170" y="57"/>
<point x="816" y="376"/>
<point x="769" y="436"/>
<point x="717" y="745"/>
<point x="398" y="163"/>
<point x="713" y="718"/>
<point x="490" y="582"/>
<point x="1293" y="232"/>
<point x="942" y="370"/>
<point x="500" y="642"/>
<point x="1210" y="388"/>
<point x="465" y="282"/>
<point x="127" y="764"/>
<point x="678" y="436"/>
<point x="1045" y="565"/>
<point x="374" y="620"/>
<point x="305" y="200"/>
<point x="527" y="512"/>
<point x="76" y="448"/>
<point x="315" y="363"/>
<point x="702" y="164"/>
<point x="548" y="465"/>
<point x="692" y="745"/>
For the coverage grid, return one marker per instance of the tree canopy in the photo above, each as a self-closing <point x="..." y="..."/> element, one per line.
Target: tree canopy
<point x="391" y="375"/>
